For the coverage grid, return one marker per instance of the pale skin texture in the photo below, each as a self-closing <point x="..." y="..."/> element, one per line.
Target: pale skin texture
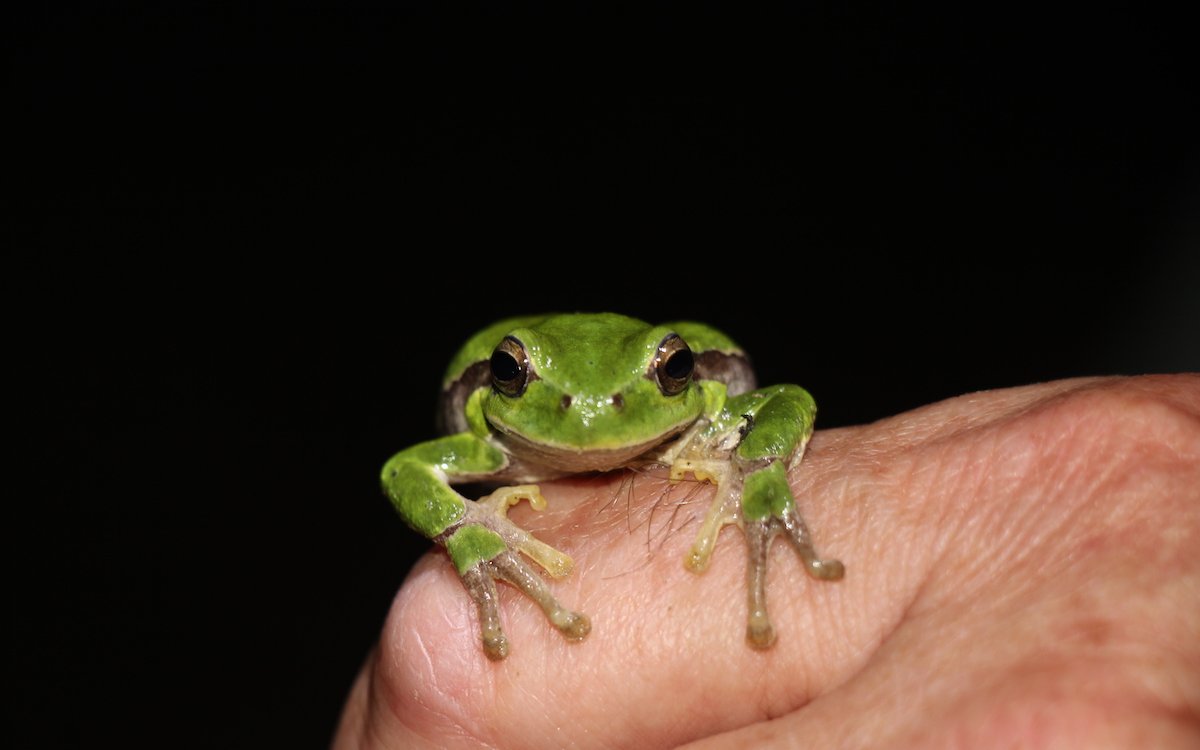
<point x="1023" y="570"/>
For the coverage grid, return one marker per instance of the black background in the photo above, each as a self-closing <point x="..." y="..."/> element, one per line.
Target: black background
<point x="249" y="237"/>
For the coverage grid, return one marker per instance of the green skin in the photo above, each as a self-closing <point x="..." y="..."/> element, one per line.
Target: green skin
<point x="597" y="392"/>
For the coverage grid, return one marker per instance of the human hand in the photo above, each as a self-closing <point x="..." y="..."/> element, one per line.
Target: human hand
<point x="1022" y="569"/>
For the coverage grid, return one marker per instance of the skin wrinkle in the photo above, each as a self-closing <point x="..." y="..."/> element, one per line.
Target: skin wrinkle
<point x="860" y="488"/>
<point x="443" y="702"/>
<point x="1075" y="689"/>
<point x="1044" y="535"/>
<point x="529" y="699"/>
<point x="1038" y="456"/>
<point x="899" y="584"/>
<point x="1111" y="471"/>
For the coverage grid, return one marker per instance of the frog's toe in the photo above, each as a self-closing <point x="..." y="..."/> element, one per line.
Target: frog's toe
<point x="574" y="625"/>
<point x="491" y="512"/>
<point x="482" y="588"/>
<point x="822" y="569"/>
<point x="495" y="646"/>
<point x="826" y="570"/>
<point x="759" y="632"/>
<point x="507" y="566"/>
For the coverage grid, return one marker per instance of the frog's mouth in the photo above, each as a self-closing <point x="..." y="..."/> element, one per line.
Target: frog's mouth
<point x="571" y="459"/>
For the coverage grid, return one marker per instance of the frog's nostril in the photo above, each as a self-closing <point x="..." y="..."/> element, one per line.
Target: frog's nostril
<point x="566" y="402"/>
<point x="618" y="401"/>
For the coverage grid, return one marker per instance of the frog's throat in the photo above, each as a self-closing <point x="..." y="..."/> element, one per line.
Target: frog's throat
<point x="571" y="459"/>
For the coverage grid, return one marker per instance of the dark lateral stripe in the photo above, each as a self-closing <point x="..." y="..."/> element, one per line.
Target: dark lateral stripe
<point x="732" y="369"/>
<point x="452" y="416"/>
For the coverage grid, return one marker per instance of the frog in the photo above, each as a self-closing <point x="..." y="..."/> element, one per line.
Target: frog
<point x="530" y="399"/>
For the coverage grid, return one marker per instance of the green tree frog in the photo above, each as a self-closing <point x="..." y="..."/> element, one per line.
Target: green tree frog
<point x="530" y="399"/>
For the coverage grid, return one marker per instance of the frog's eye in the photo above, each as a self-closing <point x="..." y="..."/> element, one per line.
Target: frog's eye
<point x="673" y="365"/>
<point x="510" y="367"/>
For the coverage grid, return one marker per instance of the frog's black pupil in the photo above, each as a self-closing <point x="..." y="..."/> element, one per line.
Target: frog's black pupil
<point x="679" y="365"/>
<point x="505" y="367"/>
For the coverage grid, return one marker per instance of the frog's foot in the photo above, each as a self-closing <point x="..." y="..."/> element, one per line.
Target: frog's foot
<point x="483" y="547"/>
<point x="757" y="497"/>
<point x="492" y="512"/>
<point x="768" y="508"/>
<point x="480" y="582"/>
<point x="759" y="534"/>
<point x="725" y="507"/>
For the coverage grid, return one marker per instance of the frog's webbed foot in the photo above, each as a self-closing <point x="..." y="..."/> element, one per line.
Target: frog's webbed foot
<point x="480" y="582"/>
<point x="492" y="511"/>
<point x="755" y="495"/>
<point x="759" y="534"/>
<point x="484" y="549"/>
<point x="768" y="508"/>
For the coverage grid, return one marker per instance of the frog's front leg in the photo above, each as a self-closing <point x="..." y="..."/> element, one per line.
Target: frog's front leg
<point x="481" y="541"/>
<point x="746" y="450"/>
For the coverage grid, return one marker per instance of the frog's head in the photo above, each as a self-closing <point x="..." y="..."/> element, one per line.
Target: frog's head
<point x="590" y="392"/>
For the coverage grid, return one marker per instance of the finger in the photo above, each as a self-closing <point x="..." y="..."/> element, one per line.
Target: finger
<point x="666" y="653"/>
